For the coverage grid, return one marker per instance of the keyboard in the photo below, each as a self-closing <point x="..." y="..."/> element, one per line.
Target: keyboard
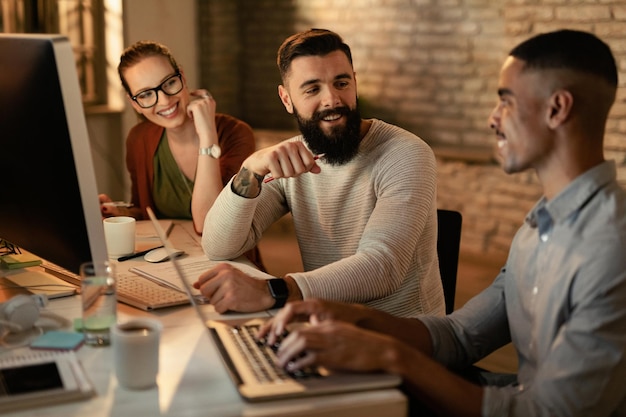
<point x="147" y="295"/>
<point x="131" y="289"/>
<point x="261" y="357"/>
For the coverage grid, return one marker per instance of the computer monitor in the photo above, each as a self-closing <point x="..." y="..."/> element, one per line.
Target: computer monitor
<point x="48" y="195"/>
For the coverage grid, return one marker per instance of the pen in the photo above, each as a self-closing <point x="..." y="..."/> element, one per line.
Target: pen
<point x="135" y="255"/>
<point x="117" y="204"/>
<point x="270" y="178"/>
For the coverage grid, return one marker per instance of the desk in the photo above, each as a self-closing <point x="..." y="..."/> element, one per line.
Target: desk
<point x="192" y="380"/>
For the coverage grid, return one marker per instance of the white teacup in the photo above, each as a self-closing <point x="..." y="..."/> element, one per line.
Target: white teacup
<point x="119" y="234"/>
<point x="136" y="352"/>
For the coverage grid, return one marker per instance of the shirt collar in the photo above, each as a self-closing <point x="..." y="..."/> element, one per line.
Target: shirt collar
<point x="572" y="198"/>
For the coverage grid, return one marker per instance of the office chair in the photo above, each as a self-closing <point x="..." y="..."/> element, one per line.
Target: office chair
<point x="448" y="246"/>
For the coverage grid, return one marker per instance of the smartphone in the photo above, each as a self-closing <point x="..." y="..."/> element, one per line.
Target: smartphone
<point x="25" y="385"/>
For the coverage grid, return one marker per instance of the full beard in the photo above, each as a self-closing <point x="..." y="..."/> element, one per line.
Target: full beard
<point x="341" y="145"/>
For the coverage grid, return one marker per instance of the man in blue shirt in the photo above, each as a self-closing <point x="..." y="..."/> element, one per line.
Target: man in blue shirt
<point x="560" y="298"/>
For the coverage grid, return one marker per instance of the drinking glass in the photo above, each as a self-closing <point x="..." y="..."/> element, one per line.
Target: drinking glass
<point x="98" y="301"/>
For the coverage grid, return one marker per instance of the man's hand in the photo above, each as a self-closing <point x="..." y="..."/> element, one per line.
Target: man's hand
<point x="286" y="159"/>
<point x="337" y="345"/>
<point x="313" y="310"/>
<point x="229" y="289"/>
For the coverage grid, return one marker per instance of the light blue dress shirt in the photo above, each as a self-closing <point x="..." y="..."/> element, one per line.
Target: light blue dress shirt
<point x="561" y="300"/>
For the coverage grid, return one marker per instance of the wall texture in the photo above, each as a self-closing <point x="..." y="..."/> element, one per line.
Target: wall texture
<point x="430" y="66"/>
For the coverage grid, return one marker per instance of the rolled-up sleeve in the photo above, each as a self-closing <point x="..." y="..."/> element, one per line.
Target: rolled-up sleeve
<point x="471" y="333"/>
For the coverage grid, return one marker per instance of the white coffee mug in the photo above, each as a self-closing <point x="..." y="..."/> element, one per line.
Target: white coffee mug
<point x="136" y="352"/>
<point x="119" y="234"/>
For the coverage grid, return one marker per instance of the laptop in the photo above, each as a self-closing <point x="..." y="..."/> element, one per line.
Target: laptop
<point x="251" y="365"/>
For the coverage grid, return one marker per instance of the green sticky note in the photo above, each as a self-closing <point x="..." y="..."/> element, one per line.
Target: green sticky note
<point x="78" y="324"/>
<point x="22" y="260"/>
<point x="59" y="340"/>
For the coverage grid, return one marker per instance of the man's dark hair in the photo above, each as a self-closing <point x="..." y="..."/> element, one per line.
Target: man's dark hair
<point x="568" y="49"/>
<point x="312" y="42"/>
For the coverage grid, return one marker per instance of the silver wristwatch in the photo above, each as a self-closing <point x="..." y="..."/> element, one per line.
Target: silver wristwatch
<point x="213" y="151"/>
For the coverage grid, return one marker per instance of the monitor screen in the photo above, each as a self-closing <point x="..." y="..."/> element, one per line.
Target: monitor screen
<point x="48" y="194"/>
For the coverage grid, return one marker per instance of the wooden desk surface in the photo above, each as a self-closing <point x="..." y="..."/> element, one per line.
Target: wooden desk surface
<point x="192" y="380"/>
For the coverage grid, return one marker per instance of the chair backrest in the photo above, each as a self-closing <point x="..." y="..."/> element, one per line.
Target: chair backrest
<point x="448" y="246"/>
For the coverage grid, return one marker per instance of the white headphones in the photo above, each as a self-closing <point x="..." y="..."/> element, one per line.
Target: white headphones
<point x="21" y="312"/>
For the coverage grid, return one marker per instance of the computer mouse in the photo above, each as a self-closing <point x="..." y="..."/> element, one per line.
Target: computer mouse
<point x="160" y="255"/>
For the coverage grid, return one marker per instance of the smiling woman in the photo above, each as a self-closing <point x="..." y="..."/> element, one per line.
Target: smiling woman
<point x="182" y="152"/>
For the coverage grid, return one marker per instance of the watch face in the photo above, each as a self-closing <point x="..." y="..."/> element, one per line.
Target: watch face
<point x="216" y="151"/>
<point x="278" y="288"/>
<point x="279" y="291"/>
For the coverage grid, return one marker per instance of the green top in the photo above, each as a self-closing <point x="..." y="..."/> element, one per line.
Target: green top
<point x="171" y="189"/>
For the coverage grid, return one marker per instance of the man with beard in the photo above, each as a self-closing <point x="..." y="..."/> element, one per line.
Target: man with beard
<point x="362" y="194"/>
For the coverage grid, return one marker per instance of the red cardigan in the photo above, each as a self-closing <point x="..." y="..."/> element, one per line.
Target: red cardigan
<point x="235" y="137"/>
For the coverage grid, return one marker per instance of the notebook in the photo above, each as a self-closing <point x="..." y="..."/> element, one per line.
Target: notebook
<point x="251" y="365"/>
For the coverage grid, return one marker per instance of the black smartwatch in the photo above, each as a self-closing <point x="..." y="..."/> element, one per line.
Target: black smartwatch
<point x="279" y="291"/>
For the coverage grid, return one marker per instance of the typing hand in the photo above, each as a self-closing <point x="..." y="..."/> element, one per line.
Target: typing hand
<point x="312" y="310"/>
<point x="335" y="345"/>
<point x="306" y="372"/>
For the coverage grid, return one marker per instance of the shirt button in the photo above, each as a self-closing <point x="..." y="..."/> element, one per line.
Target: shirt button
<point x="544" y="237"/>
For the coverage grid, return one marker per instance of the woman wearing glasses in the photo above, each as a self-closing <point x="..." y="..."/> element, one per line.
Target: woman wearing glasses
<point x="182" y="153"/>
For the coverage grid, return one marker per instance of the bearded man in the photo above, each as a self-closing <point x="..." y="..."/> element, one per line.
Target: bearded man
<point x="362" y="194"/>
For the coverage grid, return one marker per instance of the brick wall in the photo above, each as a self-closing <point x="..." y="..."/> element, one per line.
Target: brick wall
<point x="430" y="66"/>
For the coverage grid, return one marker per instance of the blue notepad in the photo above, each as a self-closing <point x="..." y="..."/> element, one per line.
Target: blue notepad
<point x="58" y="340"/>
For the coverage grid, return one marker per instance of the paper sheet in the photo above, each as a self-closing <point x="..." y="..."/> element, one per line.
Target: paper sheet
<point x="192" y="267"/>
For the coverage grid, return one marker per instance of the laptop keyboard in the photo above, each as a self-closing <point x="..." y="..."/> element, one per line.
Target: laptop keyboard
<point x="262" y="358"/>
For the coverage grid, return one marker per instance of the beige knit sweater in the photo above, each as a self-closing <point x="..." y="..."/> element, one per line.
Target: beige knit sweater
<point x="367" y="230"/>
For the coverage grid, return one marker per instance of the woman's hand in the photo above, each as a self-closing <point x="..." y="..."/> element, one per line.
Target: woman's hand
<point x="110" y="208"/>
<point x="107" y="210"/>
<point x="201" y="110"/>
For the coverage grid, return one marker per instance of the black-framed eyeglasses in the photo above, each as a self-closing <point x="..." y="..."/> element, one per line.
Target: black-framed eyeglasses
<point x="171" y="85"/>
